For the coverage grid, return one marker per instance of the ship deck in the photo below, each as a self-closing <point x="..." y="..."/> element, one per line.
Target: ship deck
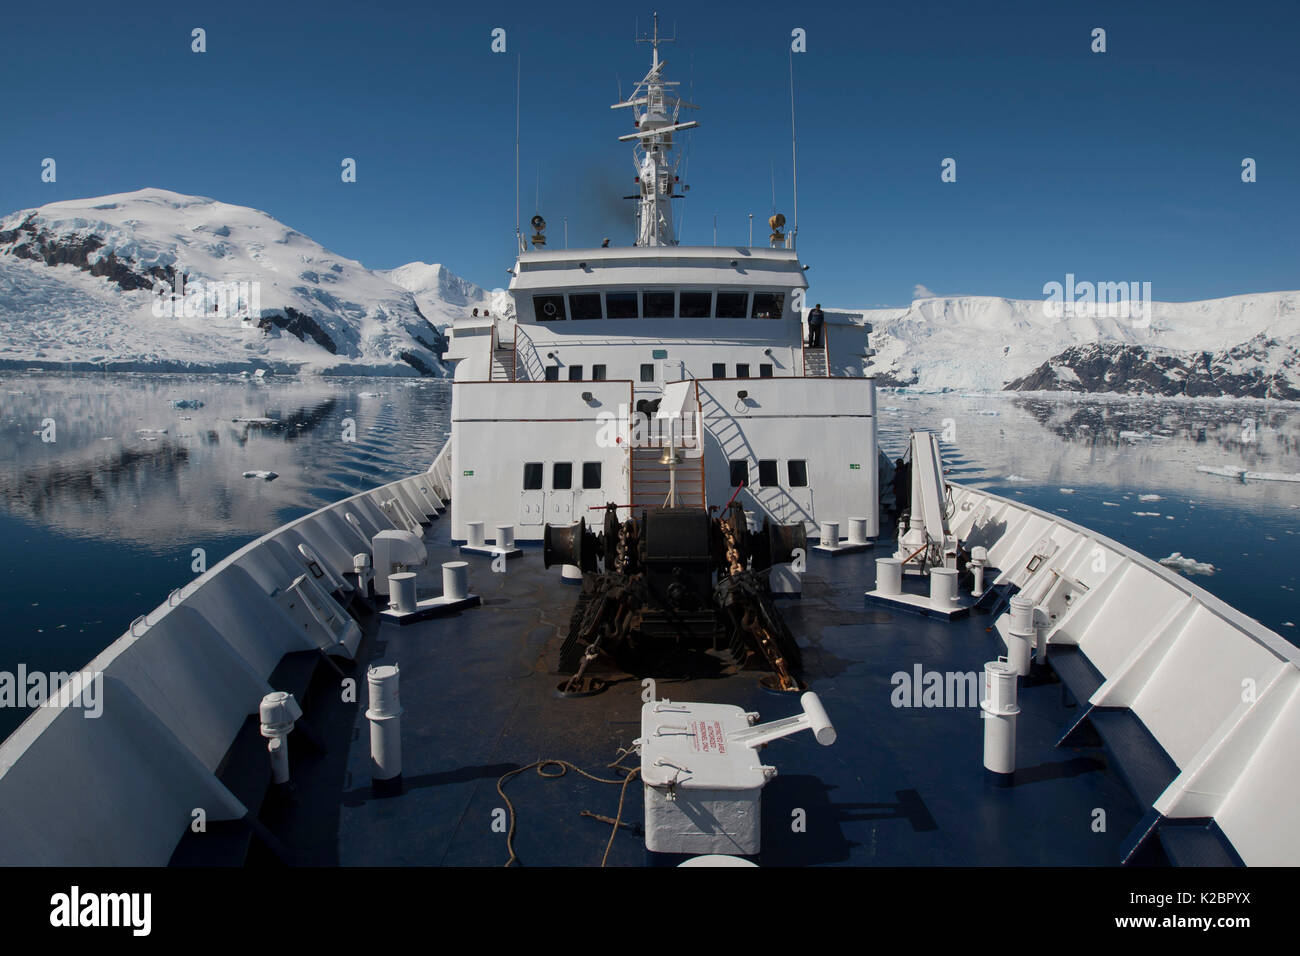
<point x="900" y="786"/>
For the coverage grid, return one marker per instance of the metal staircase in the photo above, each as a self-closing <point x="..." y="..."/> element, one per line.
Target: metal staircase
<point x="650" y="476"/>
<point x="503" y="360"/>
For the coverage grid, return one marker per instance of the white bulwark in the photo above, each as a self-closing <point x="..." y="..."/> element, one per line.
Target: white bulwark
<point x="569" y="403"/>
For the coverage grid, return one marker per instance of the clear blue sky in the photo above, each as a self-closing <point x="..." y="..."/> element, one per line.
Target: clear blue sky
<point x="1124" y="165"/>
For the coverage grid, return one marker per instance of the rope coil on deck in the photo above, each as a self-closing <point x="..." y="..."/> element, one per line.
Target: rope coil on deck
<point x="565" y="766"/>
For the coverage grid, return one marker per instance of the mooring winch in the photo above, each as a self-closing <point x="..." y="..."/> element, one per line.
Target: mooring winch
<point x="677" y="592"/>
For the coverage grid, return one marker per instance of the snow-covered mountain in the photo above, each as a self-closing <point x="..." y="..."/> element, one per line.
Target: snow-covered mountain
<point x="442" y="295"/>
<point x="980" y="343"/>
<point x="78" y="283"/>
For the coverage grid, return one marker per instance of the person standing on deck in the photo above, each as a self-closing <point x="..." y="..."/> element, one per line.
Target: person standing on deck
<point x="815" y="320"/>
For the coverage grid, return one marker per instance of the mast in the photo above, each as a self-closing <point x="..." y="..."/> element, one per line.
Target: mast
<point x="655" y="109"/>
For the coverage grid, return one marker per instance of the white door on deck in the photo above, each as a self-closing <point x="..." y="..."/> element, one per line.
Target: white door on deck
<point x="530" y="508"/>
<point x="799" y="506"/>
<point x="559" y="508"/>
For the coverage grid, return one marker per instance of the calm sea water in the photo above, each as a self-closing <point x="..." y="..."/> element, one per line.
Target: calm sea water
<point x="100" y="524"/>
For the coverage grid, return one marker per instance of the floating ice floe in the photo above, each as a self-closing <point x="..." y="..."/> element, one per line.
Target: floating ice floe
<point x="1187" y="565"/>
<point x="367" y="394"/>
<point x="1111" y="504"/>
<point x="264" y="475"/>
<point x="1150" y="498"/>
<point x="1147" y="514"/>
<point x="1067" y="491"/>
<point x="1018" y="478"/>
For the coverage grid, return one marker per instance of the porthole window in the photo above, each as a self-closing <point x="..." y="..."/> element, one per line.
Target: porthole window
<point x="549" y="308"/>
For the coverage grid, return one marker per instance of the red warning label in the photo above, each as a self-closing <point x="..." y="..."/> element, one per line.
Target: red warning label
<point x="708" y="738"/>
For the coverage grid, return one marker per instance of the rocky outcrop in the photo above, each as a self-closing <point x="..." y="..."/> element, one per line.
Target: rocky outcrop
<point x="1262" y="367"/>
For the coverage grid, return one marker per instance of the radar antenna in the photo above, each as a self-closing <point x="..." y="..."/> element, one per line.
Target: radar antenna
<point x="655" y="110"/>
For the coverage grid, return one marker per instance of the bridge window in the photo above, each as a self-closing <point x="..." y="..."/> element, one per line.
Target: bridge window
<point x="696" y="305"/>
<point x="562" y="475"/>
<point x="621" y="305"/>
<point x="767" y="473"/>
<point x="532" y="475"/>
<point x="731" y="305"/>
<point x="768" y="305"/>
<point x="584" y="305"/>
<point x="739" y="473"/>
<point x="719" y="369"/>
<point x="647" y="373"/>
<point x="598" y="373"/>
<point x="742" y="370"/>
<point x="590" y="474"/>
<point x="575" y="373"/>
<point x="549" y="308"/>
<point x="765" y="370"/>
<point x="552" y="373"/>
<point x="660" y="305"/>
<point x="798" y="473"/>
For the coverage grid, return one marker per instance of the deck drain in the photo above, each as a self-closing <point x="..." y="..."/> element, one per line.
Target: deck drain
<point x="585" y="687"/>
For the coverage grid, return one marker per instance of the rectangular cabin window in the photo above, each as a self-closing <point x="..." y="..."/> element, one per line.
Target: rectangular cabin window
<point x="647" y="373"/>
<point x="562" y="476"/>
<point x="696" y="305"/>
<point x="767" y="473"/>
<point x="548" y="308"/>
<point x="584" y="305"/>
<point x="742" y="370"/>
<point x="719" y="369"/>
<point x="739" y="473"/>
<point x="598" y="373"/>
<point x="575" y="373"/>
<point x="532" y="475"/>
<point x="590" y="475"/>
<point x="768" y="305"/>
<point x="798" y="473"/>
<point x="552" y="373"/>
<point x="660" y="305"/>
<point x="731" y="305"/>
<point x="765" y="370"/>
<point x="621" y="305"/>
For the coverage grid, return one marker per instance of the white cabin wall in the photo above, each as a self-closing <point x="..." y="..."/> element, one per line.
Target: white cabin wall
<point x="829" y="423"/>
<point x="498" y="426"/>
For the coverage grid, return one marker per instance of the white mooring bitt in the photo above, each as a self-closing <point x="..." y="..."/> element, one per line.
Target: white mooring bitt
<point x="999" y="710"/>
<point x="505" y="536"/>
<point x="474" y="532"/>
<point x="455" y="580"/>
<point x="401" y="587"/>
<point x="858" y="531"/>
<point x="889" y="576"/>
<point x="830" y="534"/>
<point x="385" y="716"/>
<point x="278" y="713"/>
<point x="943" y="588"/>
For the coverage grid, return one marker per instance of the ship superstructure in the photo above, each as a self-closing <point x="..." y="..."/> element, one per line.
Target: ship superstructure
<point x="612" y="354"/>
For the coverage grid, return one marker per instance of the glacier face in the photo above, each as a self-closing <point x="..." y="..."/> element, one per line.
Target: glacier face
<point x="1243" y="345"/>
<point x="79" y="283"/>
